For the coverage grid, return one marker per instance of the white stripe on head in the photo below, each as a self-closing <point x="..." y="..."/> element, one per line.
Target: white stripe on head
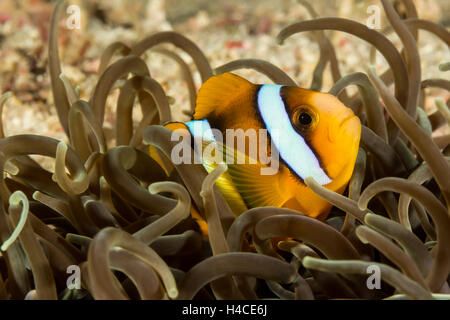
<point x="291" y="146"/>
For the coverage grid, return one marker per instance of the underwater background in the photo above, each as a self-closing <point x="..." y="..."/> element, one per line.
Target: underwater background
<point x="84" y="89"/>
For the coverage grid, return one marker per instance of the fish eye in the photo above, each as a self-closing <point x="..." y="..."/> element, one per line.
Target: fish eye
<point x="304" y="118"/>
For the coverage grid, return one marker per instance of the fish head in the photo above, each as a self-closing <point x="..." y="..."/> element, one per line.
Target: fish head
<point x="330" y="128"/>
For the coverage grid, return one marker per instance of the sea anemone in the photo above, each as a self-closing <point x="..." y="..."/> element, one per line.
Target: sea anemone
<point x="137" y="230"/>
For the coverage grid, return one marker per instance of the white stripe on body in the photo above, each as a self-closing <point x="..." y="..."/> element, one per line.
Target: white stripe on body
<point x="200" y="129"/>
<point x="291" y="146"/>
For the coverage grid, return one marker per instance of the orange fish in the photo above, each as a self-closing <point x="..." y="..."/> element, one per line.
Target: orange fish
<point x="298" y="133"/>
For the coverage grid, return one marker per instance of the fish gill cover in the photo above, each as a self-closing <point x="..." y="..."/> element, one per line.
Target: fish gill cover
<point x="110" y="223"/>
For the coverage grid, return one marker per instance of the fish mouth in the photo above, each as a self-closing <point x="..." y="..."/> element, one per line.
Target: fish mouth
<point x="348" y="126"/>
<point x="343" y="122"/>
<point x="351" y="128"/>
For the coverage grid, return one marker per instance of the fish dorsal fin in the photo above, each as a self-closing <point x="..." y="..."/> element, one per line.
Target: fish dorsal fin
<point x="218" y="91"/>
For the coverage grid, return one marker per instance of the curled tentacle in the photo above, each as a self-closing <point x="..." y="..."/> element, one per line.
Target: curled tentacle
<point x="125" y="103"/>
<point x="23" y="145"/>
<point x="114" y="72"/>
<point x="144" y="277"/>
<point x="441" y="265"/>
<point x="274" y="73"/>
<point x="79" y="114"/>
<point x="181" y="211"/>
<point x="14" y="200"/>
<point x="374" y="111"/>
<point x="421" y="141"/>
<point x="235" y="263"/>
<point x="59" y="92"/>
<point x="325" y="238"/>
<point x="76" y="185"/>
<point x="246" y="221"/>
<point x="192" y="175"/>
<point x="390" y="275"/>
<point x="387" y="155"/>
<point x="108" y="53"/>
<point x="407" y="240"/>
<point x="327" y="53"/>
<point x="412" y="57"/>
<point x="343" y="203"/>
<point x="215" y="229"/>
<point x="181" y="42"/>
<point x="101" y="279"/>
<point x="378" y="40"/>
<point x="72" y="95"/>
<point x="185" y="71"/>
<point x="116" y="163"/>
<point x="392" y="252"/>
<point x="42" y="273"/>
<point x="354" y="189"/>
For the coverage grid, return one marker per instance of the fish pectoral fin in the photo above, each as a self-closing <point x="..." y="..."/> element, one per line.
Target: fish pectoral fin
<point x="256" y="188"/>
<point x="244" y="184"/>
<point x="227" y="188"/>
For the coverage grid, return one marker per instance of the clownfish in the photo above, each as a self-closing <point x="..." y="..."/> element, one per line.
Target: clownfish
<point x="308" y="133"/>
